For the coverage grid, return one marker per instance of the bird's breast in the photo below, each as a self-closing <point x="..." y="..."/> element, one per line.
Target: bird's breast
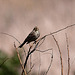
<point x="37" y="33"/>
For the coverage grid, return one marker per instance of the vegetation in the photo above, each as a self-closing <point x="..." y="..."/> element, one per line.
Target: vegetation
<point x="10" y="65"/>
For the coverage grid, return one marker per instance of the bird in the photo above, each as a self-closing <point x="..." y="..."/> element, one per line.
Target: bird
<point x="33" y="36"/>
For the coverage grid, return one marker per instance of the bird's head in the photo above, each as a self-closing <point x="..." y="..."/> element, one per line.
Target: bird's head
<point x="36" y="28"/>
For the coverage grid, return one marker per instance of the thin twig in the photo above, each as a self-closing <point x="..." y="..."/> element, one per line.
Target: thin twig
<point x="3" y="62"/>
<point x="50" y="63"/>
<point x="11" y="36"/>
<point x="30" y="69"/>
<point x="42" y="55"/>
<point x="30" y="63"/>
<point x="68" y="55"/>
<point x="39" y="63"/>
<point x="29" y="53"/>
<point x="14" y="38"/>
<point x="59" y="53"/>
<point x="20" y="59"/>
<point x="41" y="42"/>
<point x="59" y="30"/>
<point x="44" y="50"/>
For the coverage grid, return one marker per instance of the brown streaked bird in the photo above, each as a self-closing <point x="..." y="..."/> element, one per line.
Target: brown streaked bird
<point x="32" y="36"/>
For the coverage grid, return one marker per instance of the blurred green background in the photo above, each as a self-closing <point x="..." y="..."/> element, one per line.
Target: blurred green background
<point x="10" y="66"/>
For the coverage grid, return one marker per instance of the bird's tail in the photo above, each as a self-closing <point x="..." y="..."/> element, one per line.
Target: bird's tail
<point x="22" y="44"/>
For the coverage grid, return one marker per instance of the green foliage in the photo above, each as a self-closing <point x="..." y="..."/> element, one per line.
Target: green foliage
<point x="10" y="66"/>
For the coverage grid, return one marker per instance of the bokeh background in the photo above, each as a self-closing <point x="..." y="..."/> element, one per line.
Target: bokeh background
<point x="19" y="17"/>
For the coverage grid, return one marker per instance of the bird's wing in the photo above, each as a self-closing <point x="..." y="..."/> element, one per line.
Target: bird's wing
<point x="30" y="37"/>
<point x="32" y="34"/>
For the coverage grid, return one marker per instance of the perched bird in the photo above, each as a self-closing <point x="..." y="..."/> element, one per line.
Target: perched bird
<point x="32" y="36"/>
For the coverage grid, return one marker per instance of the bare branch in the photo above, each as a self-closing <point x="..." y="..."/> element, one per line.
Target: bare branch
<point x="20" y="59"/>
<point x="3" y="62"/>
<point x="41" y="42"/>
<point x="68" y="55"/>
<point x="30" y="63"/>
<point x="29" y="53"/>
<point x="60" y="54"/>
<point x="44" y="50"/>
<point x="58" y="30"/>
<point x="11" y="36"/>
<point x="50" y="63"/>
<point x="61" y="29"/>
<point x="39" y="67"/>
<point x="30" y="69"/>
<point x="14" y="38"/>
